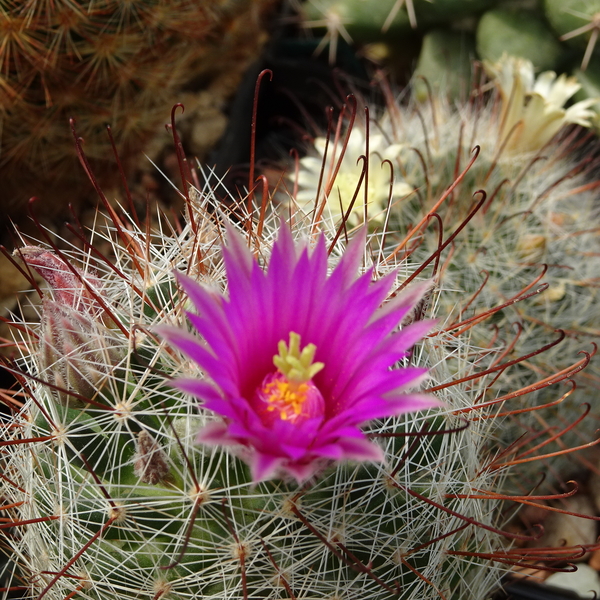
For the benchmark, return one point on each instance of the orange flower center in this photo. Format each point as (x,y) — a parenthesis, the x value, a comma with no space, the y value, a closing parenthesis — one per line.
(281,399)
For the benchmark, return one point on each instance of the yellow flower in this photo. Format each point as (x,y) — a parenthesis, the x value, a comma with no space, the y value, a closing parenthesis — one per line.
(533,109)
(338,190)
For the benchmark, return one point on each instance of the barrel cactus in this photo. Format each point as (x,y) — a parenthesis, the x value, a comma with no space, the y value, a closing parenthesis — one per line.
(267,450)
(534,226)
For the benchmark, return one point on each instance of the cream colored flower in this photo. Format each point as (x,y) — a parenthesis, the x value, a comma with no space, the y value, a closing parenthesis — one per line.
(338,190)
(533,109)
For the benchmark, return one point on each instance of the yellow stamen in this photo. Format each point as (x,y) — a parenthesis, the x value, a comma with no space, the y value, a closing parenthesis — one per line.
(297,366)
(283,395)
(289,394)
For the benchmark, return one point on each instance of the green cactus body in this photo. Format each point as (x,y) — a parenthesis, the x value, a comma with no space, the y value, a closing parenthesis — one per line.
(532,230)
(519,32)
(590,88)
(373,21)
(573,16)
(119,501)
(445,63)
(110,495)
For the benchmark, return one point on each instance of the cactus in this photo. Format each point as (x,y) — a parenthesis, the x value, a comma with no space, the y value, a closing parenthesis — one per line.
(533,226)
(109,62)
(519,32)
(443,31)
(109,495)
(445,63)
(369,22)
(577,23)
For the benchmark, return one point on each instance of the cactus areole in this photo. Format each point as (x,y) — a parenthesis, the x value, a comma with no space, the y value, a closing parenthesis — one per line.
(299,359)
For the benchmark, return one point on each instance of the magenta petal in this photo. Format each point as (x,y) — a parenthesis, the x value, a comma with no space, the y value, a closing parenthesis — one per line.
(240,431)
(406,299)
(412,403)
(369,411)
(264,466)
(237,254)
(365,385)
(215,434)
(215,339)
(198,388)
(379,410)
(376,384)
(332,451)
(302,471)
(345,272)
(208,305)
(283,256)
(294,452)
(397,345)
(405,339)
(189,345)
(361,449)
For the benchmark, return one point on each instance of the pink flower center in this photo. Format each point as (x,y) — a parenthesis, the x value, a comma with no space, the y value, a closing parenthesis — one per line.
(281,399)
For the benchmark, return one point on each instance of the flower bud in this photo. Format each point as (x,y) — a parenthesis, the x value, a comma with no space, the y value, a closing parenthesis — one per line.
(150,461)
(76,352)
(66,282)
(76,349)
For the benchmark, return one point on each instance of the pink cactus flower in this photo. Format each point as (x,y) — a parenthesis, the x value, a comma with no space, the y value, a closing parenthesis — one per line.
(296,360)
